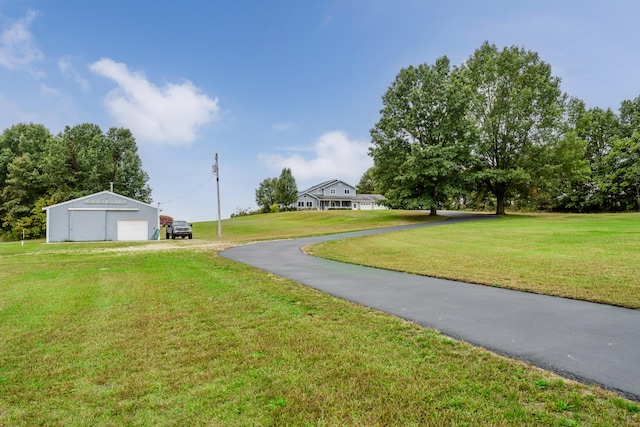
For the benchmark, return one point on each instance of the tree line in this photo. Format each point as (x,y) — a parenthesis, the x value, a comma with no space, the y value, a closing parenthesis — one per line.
(38,170)
(497,132)
(276,194)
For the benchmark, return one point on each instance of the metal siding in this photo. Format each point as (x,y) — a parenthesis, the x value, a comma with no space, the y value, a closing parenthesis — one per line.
(58,224)
(100,210)
(87,226)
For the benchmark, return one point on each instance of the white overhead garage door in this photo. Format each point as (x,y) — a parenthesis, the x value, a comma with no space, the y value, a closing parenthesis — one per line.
(133,229)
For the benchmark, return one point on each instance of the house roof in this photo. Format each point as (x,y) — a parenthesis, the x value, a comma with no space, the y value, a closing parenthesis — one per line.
(369,197)
(106,193)
(313,192)
(356,198)
(323,185)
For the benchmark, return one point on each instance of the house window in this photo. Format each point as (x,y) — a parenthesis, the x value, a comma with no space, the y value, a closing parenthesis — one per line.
(346,191)
(333,191)
(300,204)
(309,204)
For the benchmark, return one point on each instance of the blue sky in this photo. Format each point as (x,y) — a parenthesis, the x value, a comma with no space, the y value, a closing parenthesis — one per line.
(275,83)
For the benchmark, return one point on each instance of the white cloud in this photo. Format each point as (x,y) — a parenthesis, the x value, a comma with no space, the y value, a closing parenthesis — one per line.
(47,90)
(283,126)
(17,46)
(68,70)
(335,156)
(171,114)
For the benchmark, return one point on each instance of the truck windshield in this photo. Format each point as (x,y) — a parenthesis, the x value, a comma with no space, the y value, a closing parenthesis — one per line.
(180,223)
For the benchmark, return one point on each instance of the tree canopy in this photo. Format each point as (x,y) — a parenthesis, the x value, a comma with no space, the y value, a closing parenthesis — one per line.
(39,170)
(286,191)
(498,131)
(266,194)
(516,108)
(421,142)
(367,184)
(281,191)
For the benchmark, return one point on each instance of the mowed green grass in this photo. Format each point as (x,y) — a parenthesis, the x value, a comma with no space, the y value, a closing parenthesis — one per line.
(185,337)
(587,257)
(283,225)
(286,225)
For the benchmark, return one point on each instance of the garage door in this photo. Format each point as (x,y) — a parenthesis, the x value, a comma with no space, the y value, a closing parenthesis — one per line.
(133,229)
(87,226)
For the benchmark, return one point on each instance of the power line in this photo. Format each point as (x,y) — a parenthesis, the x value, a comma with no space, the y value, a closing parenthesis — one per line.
(186,194)
(284,23)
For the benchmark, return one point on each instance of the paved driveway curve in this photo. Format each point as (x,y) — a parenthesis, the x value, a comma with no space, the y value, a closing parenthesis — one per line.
(593,343)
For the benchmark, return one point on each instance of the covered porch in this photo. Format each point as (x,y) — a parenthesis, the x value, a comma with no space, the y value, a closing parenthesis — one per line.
(335,204)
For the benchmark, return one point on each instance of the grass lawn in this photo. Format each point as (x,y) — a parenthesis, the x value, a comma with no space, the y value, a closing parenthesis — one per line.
(286,225)
(588,257)
(116,334)
(184,337)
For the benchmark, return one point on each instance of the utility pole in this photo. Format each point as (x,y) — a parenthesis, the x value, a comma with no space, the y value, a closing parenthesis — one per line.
(216,170)
(159,210)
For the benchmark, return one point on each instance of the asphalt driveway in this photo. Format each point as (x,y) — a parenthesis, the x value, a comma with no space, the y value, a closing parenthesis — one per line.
(593,343)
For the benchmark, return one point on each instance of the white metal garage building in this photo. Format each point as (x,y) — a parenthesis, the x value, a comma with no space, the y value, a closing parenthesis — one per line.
(101,216)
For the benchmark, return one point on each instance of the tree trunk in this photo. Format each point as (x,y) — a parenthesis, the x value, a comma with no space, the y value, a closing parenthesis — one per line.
(500,203)
(74,161)
(434,204)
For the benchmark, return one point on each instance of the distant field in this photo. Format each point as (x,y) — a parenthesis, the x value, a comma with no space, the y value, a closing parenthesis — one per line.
(305,223)
(181,336)
(282,225)
(589,257)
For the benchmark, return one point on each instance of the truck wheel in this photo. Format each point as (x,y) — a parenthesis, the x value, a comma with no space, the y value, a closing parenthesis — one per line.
(190,236)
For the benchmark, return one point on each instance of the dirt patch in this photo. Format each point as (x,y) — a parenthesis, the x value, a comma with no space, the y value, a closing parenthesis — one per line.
(163,246)
(156,247)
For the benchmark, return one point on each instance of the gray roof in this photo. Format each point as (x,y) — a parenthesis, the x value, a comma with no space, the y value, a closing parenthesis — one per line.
(369,197)
(313,192)
(323,185)
(106,193)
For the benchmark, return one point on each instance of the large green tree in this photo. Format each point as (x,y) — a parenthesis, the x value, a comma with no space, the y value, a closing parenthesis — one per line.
(84,160)
(38,170)
(629,117)
(23,179)
(367,184)
(625,155)
(420,144)
(598,129)
(624,172)
(517,106)
(265,194)
(564,170)
(286,191)
(125,166)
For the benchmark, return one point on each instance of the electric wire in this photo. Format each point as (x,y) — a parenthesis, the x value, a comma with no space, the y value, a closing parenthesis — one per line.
(187,193)
(284,23)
